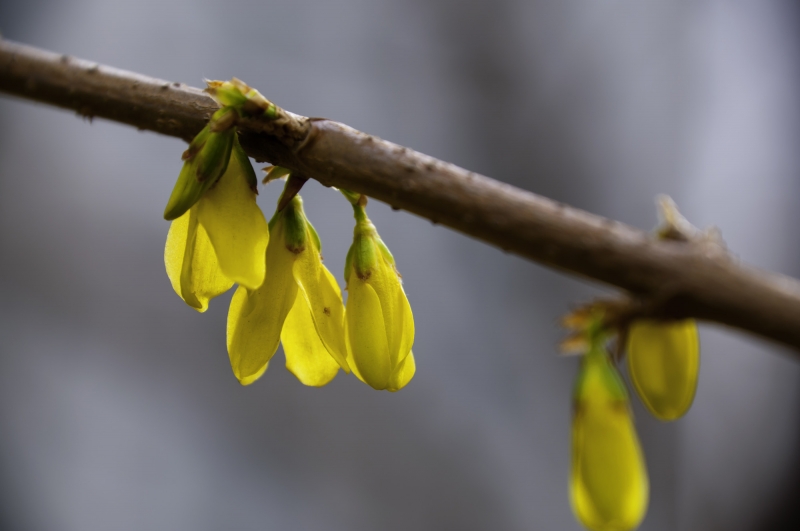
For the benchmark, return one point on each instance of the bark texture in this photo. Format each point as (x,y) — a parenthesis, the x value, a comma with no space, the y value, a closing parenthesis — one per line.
(694,278)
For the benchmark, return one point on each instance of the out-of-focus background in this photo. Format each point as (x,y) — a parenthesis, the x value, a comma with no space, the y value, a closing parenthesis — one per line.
(118,409)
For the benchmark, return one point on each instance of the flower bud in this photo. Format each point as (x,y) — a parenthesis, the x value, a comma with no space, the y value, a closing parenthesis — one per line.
(664,362)
(379,325)
(608,484)
(245,99)
(205,161)
(221,240)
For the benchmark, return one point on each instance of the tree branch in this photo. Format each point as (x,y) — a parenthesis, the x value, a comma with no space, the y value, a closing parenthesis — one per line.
(692,278)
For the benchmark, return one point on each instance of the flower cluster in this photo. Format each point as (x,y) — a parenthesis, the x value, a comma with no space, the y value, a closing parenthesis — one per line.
(609,488)
(219,237)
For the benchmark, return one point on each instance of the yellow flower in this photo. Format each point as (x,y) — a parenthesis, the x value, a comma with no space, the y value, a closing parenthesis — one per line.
(220,240)
(608,484)
(299,304)
(664,361)
(379,326)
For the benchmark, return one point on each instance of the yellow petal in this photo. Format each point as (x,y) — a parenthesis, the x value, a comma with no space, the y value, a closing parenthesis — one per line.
(324,298)
(365,334)
(350,362)
(403,333)
(306,355)
(256,317)
(191,263)
(235,224)
(608,484)
(398,319)
(403,374)
(664,361)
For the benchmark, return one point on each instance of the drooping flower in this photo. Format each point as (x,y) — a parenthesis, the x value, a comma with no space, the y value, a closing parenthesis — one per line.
(609,488)
(379,325)
(221,237)
(664,362)
(299,304)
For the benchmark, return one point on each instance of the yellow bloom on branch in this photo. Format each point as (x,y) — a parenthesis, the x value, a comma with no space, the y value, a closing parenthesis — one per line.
(221,238)
(609,488)
(299,304)
(664,362)
(379,325)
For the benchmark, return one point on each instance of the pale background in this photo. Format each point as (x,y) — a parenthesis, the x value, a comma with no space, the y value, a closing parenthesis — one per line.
(118,409)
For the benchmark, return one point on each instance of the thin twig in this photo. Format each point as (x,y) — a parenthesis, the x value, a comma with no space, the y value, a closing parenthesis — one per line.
(688,279)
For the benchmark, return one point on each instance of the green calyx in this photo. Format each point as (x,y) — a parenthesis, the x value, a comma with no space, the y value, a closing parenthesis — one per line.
(295,226)
(367,249)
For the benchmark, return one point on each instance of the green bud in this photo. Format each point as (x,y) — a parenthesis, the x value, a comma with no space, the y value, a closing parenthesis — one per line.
(248,101)
(204,163)
(227,92)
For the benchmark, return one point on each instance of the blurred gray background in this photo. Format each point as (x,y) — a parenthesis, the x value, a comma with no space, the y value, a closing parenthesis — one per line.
(118,408)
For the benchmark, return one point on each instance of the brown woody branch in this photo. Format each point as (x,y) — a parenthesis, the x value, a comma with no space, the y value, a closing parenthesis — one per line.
(695,278)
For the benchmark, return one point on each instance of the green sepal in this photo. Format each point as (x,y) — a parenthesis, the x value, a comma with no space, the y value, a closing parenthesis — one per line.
(294,225)
(365,251)
(364,259)
(348,264)
(387,254)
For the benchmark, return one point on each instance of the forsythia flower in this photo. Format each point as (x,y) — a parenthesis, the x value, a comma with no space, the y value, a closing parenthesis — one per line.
(608,484)
(664,361)
(299,304)
(220,234)
(379,326)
